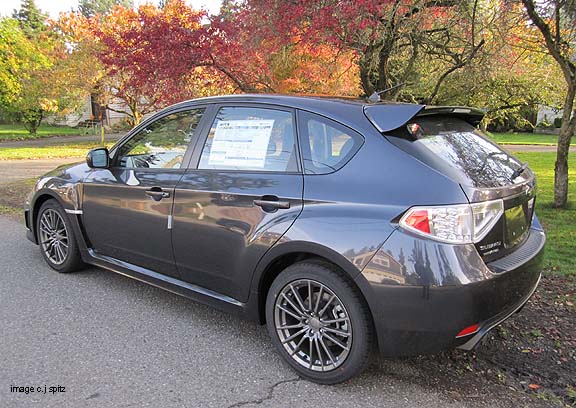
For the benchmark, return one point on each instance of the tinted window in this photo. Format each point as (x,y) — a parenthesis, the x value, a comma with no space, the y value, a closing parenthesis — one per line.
(326,145)
(161,144)
(458,150)
(253,139)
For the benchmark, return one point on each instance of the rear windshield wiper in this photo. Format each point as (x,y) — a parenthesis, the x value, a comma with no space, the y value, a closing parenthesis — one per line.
(518,171)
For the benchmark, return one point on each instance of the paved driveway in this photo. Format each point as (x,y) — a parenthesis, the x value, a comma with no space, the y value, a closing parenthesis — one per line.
(115,342)
(534,148)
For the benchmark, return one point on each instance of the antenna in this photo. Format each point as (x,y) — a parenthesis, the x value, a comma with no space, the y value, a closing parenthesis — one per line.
(375,97)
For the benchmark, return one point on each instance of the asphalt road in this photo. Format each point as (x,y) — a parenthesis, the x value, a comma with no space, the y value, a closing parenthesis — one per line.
(112,341)
(534,148)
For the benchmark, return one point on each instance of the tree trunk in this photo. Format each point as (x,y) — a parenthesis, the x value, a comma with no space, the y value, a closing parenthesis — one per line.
(32,120)
(383,63)
(137,117)
(365,74)
(33,128)
(555,44)
(566,133)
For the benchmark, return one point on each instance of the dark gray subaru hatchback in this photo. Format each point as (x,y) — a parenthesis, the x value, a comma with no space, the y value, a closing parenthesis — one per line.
(342,225)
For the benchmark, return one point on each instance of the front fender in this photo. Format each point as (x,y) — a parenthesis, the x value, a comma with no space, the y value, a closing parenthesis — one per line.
(63,184)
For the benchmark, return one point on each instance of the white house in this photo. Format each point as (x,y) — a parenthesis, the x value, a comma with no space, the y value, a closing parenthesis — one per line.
(91,110)
(548,114)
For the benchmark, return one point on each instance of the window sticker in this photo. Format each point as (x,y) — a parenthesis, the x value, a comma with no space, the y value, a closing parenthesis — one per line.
(241,143)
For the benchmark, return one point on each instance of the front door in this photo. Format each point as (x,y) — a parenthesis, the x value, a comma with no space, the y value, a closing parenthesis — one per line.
(243,196)
(127,208)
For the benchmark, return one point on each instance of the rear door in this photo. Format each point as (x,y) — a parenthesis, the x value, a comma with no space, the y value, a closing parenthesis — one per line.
(241,194)
(127,207)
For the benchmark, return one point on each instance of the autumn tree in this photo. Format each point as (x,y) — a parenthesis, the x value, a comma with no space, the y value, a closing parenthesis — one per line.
(25,76)
(18,57)
(150,55)
(40,73)
(556,22)
(508,79)
(389,39)
(80,67)
(256,59)
(322,69)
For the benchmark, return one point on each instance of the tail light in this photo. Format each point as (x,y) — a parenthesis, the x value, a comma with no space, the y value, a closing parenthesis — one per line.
(454,224)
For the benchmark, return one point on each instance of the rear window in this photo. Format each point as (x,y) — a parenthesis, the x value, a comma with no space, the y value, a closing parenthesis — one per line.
(459,150)
(326,145)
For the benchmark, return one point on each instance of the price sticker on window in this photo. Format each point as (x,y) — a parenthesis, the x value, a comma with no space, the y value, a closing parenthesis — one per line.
(241,143)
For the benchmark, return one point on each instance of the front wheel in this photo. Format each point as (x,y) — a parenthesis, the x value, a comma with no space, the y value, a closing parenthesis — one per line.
(56,238)
(319,322)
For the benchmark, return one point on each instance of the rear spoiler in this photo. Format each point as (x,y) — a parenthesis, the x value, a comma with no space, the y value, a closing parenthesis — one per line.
(388,117)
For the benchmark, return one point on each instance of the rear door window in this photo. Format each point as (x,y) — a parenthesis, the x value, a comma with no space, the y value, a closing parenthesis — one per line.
(251,139)
(326,145)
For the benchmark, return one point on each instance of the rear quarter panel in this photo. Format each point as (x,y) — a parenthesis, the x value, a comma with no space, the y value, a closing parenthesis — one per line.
(351,212)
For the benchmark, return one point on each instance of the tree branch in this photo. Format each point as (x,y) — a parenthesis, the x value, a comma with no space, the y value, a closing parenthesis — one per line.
(118,111)
(458,65)
(568,68)
(427,4)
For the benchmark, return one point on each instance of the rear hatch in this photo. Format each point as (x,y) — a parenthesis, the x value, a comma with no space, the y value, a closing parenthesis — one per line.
(448,142)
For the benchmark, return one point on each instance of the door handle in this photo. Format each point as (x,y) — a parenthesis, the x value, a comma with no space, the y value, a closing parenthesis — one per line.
(272,203)
(157,194)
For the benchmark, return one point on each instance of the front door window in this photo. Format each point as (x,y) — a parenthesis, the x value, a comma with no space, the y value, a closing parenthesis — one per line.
(162,144)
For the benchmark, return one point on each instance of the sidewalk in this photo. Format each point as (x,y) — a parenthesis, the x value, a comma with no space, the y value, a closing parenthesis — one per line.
(533,148)
(57,140)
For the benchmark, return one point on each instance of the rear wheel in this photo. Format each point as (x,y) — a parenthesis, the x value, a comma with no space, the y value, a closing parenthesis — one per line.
(56,238)
(319,322)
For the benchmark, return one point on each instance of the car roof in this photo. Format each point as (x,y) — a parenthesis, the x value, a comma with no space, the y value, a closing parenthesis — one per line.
(385,115)
(300,101)
(348,111)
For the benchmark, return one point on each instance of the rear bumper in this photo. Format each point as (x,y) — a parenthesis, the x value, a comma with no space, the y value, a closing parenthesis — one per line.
(423,293)
(496,320)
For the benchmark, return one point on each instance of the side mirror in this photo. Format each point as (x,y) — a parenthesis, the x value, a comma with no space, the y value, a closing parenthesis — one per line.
(98,158)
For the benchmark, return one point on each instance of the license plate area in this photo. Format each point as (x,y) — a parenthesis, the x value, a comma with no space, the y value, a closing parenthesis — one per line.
(517,220)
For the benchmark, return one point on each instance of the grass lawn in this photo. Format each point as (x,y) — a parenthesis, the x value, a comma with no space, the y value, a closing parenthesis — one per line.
(18,132)
(527,139)
(48,152)
(560,225)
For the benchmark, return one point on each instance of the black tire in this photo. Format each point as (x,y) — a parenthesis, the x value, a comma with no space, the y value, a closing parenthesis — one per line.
(62,259)
(348,301)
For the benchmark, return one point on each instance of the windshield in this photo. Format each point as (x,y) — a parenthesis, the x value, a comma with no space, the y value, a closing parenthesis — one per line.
(460,151)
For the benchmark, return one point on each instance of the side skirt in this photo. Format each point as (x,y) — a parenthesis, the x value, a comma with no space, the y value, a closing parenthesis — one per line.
(188,290)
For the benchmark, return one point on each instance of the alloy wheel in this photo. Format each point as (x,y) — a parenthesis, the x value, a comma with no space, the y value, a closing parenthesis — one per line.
(53,236)
(313,325)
